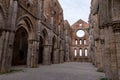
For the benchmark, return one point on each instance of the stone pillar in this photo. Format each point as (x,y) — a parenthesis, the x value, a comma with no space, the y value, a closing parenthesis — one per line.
(99,55)
(2,37)
(36,52)
(118,52)
(113,56)
(71,54)
(46,54)
(116,68)
(61,56)
(107,53)
(32,58)
(4,52)
(56,56)
(102,43)
(8,38)
(10,50)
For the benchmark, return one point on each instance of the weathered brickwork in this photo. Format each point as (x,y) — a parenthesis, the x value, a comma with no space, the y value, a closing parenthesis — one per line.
(105,37)
(80,44)
(32,32)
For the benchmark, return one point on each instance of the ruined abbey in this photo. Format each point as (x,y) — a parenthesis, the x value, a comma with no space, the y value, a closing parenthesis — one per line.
(34,32)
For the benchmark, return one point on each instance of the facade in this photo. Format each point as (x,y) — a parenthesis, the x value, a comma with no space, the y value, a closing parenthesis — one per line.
(32,32)
(105,37)
(80,42)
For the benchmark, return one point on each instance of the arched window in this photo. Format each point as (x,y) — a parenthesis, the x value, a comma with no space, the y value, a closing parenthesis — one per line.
(80,52)
(75,52)
(85,42)
(80,42)
(76,42)
(86,52)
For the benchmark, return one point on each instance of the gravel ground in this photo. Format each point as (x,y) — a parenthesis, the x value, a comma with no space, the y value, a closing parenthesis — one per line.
(65,71)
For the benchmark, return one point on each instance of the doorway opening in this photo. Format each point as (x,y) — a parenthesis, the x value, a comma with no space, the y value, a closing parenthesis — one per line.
(20,47)
(41,50)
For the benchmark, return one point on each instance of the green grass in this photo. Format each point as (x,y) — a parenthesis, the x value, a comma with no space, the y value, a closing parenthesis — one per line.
(11,71)
(103,79)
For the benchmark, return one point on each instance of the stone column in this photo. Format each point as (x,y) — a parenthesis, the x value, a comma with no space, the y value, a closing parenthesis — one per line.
(61,56)
(4,52)
(116,59)
(107,53)
(46,54)
(32,58)
(99,55)
(36,52)
(112,62)
(56,55)
(8,38)
(71,54)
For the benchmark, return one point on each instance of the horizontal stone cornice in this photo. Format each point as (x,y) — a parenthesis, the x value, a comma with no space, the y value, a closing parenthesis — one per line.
(114,24)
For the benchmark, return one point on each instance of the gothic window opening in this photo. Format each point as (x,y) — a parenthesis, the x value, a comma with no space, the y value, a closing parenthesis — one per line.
(76,42)
(80,42)
(86,52)
(75,52)
(85,42)
(80,52)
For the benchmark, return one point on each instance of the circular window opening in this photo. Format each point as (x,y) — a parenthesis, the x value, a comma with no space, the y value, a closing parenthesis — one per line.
(80,33)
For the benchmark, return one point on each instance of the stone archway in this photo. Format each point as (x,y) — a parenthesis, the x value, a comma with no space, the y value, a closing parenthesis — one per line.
(41,49)
(24,43)
(46,46)
(20,47)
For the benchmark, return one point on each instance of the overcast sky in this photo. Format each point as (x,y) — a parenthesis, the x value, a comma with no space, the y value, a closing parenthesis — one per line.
(75,9)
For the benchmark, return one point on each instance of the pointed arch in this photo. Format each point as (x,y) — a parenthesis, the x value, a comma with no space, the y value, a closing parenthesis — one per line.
(23,33)
(25,21)
(44,34)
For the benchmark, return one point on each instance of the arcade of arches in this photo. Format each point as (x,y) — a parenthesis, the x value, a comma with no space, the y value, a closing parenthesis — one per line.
(34,32)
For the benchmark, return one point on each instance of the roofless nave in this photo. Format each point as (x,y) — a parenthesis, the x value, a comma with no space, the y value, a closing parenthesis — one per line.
(35,32)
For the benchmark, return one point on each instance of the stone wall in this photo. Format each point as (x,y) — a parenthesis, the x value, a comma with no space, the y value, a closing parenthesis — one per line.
(107,41)
(79,46)
(32,33)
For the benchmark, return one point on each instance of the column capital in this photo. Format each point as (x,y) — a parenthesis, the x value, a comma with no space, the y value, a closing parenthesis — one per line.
(116,27)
